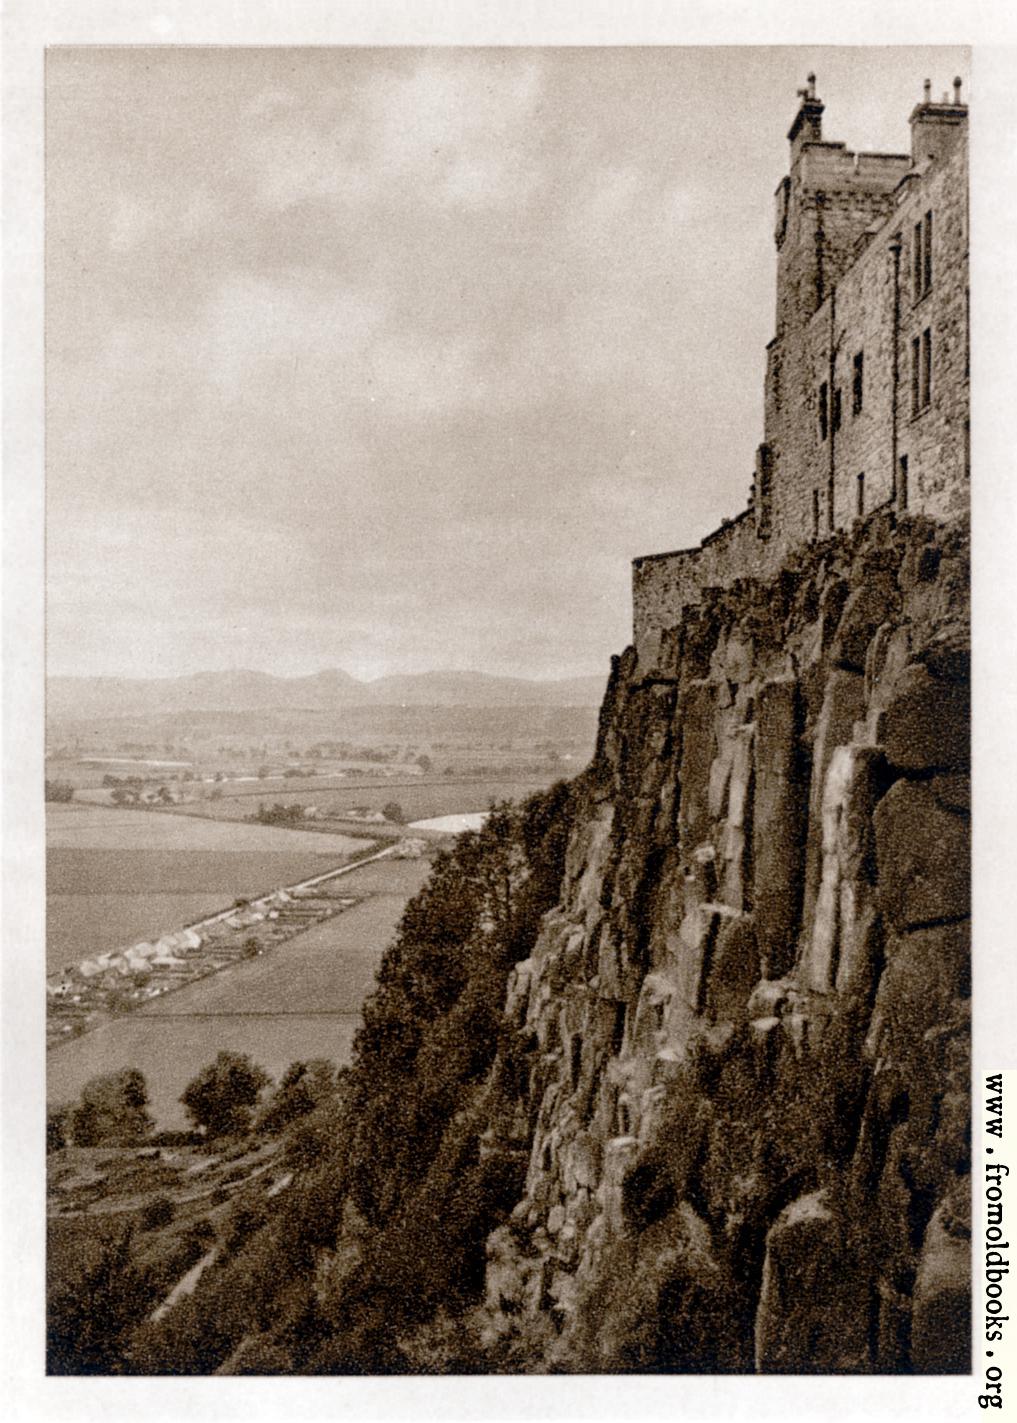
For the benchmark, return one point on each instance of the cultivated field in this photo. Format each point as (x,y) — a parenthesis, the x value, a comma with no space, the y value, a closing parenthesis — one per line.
(97,828)
(301,1000)
(114,877)
(419,799)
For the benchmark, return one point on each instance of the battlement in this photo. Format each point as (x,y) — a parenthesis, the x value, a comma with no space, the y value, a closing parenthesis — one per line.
(834,166)
(866,400)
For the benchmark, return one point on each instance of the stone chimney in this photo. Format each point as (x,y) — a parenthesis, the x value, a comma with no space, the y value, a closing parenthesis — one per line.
(935,127)
(808,122)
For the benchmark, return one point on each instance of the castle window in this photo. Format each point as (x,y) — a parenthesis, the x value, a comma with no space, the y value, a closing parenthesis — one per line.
(921,257)
(902,484)
(836,410)
(857,384)
(926,382)
(861,495)
(815,513)
(921,371)
(824,411)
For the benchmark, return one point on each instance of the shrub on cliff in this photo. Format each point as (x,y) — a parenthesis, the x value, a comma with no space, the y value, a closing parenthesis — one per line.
(387,1218)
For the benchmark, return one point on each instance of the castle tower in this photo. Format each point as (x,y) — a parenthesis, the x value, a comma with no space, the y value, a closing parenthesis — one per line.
(824,205)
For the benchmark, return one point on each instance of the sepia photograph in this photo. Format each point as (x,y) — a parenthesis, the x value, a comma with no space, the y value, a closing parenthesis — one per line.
(508,736)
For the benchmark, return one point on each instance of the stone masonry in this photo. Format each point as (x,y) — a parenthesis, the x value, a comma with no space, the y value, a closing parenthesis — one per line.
(867,379)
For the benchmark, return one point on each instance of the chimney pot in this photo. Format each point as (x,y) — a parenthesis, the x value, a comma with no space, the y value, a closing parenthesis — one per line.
(927,87)
(957,90)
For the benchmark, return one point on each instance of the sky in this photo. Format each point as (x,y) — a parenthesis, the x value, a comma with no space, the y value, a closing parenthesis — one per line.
(393,359)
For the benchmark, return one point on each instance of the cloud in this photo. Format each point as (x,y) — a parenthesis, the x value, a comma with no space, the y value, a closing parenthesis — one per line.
(446,129)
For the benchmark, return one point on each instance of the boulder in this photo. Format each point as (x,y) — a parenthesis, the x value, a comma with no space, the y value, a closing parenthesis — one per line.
(735,968)
(812,1315)
(843,705)
(778,824)
(696,714)
(924,858)
(941,1314)
(926,723)
(867,607)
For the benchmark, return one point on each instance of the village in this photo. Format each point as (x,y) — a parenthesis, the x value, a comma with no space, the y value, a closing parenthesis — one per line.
(82,996)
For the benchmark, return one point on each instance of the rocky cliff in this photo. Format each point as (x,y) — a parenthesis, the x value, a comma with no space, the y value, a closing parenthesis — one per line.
(737,1057)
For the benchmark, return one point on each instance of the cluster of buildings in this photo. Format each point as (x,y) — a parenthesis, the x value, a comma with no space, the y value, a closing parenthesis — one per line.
(866,399)
(80,996)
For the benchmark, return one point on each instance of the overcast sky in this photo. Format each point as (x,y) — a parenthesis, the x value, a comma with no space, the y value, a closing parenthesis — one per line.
(393,360)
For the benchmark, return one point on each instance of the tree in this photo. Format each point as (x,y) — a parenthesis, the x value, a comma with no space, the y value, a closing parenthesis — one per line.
(221,1097)
(112,1110)
(304,1086)
(424,762)
(59,791)
(393,811)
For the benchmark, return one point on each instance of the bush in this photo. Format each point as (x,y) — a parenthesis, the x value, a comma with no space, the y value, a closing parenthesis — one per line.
(157,1213)
(220,1099)
(112,1110)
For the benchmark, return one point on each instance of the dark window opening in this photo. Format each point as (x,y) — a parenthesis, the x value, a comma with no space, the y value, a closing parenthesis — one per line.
(815,513)
(857,384)
(861,495)
(926,383)
(967,449)
(824,414)
(836,409)
(921,371)
(902,483)
(921,257)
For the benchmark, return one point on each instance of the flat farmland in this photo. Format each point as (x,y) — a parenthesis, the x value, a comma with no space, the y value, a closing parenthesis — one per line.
(79,926)
(301,1000)
(114,877)
(94,827)
(419,799)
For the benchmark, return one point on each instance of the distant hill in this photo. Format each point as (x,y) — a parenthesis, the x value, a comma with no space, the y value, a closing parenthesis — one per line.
(84,698)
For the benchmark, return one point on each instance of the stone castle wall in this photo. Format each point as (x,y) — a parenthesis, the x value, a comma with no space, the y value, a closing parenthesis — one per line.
(842,294)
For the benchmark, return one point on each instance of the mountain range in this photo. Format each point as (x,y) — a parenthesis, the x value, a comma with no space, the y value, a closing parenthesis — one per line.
(84,698)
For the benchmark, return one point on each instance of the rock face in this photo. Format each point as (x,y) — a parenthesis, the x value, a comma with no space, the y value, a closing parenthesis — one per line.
(745,1026)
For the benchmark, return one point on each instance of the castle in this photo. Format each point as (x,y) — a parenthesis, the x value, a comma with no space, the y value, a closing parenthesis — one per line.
(867,378)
